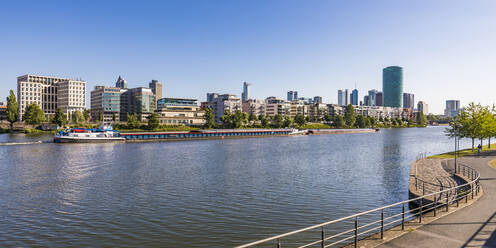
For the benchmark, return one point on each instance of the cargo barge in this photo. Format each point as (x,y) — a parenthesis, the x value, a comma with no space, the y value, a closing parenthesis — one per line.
(209,134)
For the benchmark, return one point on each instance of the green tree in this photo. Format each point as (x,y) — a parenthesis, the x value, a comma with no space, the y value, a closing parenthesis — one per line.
(372,121)
(114,117)
(264,121)
(277,121)
(132,121)
(339,121)
(12,109)
(153,121)
(87,115)
(227,119)
(300,120)
(33,114)
(327,118)
(60,118)
(350,116)
(100,116)
(421,119)
(209,118)
(252,117)
(77,117)
(288,121)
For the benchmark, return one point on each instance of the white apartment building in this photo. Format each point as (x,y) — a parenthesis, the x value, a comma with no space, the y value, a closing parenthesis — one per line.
(44,91)
(254,107)
(71,96)
(221,103)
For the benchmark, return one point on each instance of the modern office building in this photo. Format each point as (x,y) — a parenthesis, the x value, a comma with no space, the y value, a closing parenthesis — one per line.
(292,95)
(221,103)
(156,87)
(423,107)
(317,99)
(452,108)
(121,83)
(71,96)
(343,97)
(372,99)
(246,92)
(180,111)
(408,100)
(51,93)
(140,101)
(354,97)
(106,100)
(378,98)
(392,86)
(366,100)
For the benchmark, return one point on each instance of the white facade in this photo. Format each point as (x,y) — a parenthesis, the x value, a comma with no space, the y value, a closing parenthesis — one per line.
(44,91)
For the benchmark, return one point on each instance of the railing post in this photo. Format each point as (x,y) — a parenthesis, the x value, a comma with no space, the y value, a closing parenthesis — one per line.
(278,244)
(403,217)
(421,208)
(423,188)
(435,204)
(447,202)
(472,189)
(323,238)
(356,231)
(416,183)
(382,224)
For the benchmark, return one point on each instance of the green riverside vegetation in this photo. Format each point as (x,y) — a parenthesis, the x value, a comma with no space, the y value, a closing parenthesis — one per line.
(475,122)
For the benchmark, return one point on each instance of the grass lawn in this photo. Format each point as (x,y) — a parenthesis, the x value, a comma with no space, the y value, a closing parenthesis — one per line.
(463,153)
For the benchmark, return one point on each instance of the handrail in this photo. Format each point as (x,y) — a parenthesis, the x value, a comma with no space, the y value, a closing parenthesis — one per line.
(469,172)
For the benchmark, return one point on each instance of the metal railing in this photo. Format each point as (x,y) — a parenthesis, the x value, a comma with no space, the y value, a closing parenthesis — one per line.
(380,219)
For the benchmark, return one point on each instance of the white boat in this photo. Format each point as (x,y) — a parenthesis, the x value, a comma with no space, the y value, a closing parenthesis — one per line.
(295,131)
(83,135)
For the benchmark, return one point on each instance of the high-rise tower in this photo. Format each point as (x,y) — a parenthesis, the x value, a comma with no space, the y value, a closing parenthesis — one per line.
(392,86)
(246,92)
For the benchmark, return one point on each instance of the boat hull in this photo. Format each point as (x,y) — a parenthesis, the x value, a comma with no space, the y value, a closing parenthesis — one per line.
(88,140)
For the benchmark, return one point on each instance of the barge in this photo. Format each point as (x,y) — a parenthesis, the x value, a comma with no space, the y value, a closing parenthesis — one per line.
(209,134)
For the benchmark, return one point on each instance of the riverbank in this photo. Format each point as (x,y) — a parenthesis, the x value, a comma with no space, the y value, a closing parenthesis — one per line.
(472,226)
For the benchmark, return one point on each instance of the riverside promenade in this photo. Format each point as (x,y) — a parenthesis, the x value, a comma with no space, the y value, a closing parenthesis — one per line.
(471,226)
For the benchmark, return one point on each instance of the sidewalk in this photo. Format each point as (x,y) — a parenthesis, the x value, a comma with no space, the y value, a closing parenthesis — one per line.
(472,226)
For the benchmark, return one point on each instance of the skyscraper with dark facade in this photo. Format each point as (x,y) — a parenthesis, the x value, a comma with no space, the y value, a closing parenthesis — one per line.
(354,97)
(408,100)
(392,86)
(292,95)
(378,99)
(121,83)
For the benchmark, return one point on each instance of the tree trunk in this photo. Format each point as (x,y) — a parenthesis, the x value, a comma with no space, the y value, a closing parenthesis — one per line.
(472,144)
(489,143)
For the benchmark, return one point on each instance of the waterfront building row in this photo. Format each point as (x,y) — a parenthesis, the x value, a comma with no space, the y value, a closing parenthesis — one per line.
(51,93)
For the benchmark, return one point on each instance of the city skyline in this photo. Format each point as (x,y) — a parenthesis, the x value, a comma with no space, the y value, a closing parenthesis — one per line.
(323,47)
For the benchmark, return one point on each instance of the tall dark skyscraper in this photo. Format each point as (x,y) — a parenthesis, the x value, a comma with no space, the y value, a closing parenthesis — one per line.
(246,92)
(408,100)
(354,97)
(392,86)
(292,95)
(378,99)
(121,83)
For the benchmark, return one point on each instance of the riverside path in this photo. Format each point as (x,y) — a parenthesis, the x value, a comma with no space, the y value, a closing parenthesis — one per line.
(472,226)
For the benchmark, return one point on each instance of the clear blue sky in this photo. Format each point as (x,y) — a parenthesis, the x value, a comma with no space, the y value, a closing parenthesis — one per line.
(447,48)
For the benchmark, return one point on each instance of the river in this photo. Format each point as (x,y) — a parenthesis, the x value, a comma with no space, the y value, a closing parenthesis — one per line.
(210,193)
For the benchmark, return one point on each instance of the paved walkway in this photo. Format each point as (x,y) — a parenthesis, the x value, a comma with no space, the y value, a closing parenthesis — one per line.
(472,226)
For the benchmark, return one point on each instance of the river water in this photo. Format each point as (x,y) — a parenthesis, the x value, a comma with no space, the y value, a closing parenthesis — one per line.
(213,193)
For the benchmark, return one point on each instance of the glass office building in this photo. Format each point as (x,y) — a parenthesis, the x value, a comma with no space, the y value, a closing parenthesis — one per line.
(392,86)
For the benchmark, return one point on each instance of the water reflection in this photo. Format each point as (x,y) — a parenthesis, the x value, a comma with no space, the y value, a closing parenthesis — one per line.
(215,193)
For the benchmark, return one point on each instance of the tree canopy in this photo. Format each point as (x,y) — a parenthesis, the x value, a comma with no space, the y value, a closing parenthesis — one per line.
(12,109)
(33,114)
